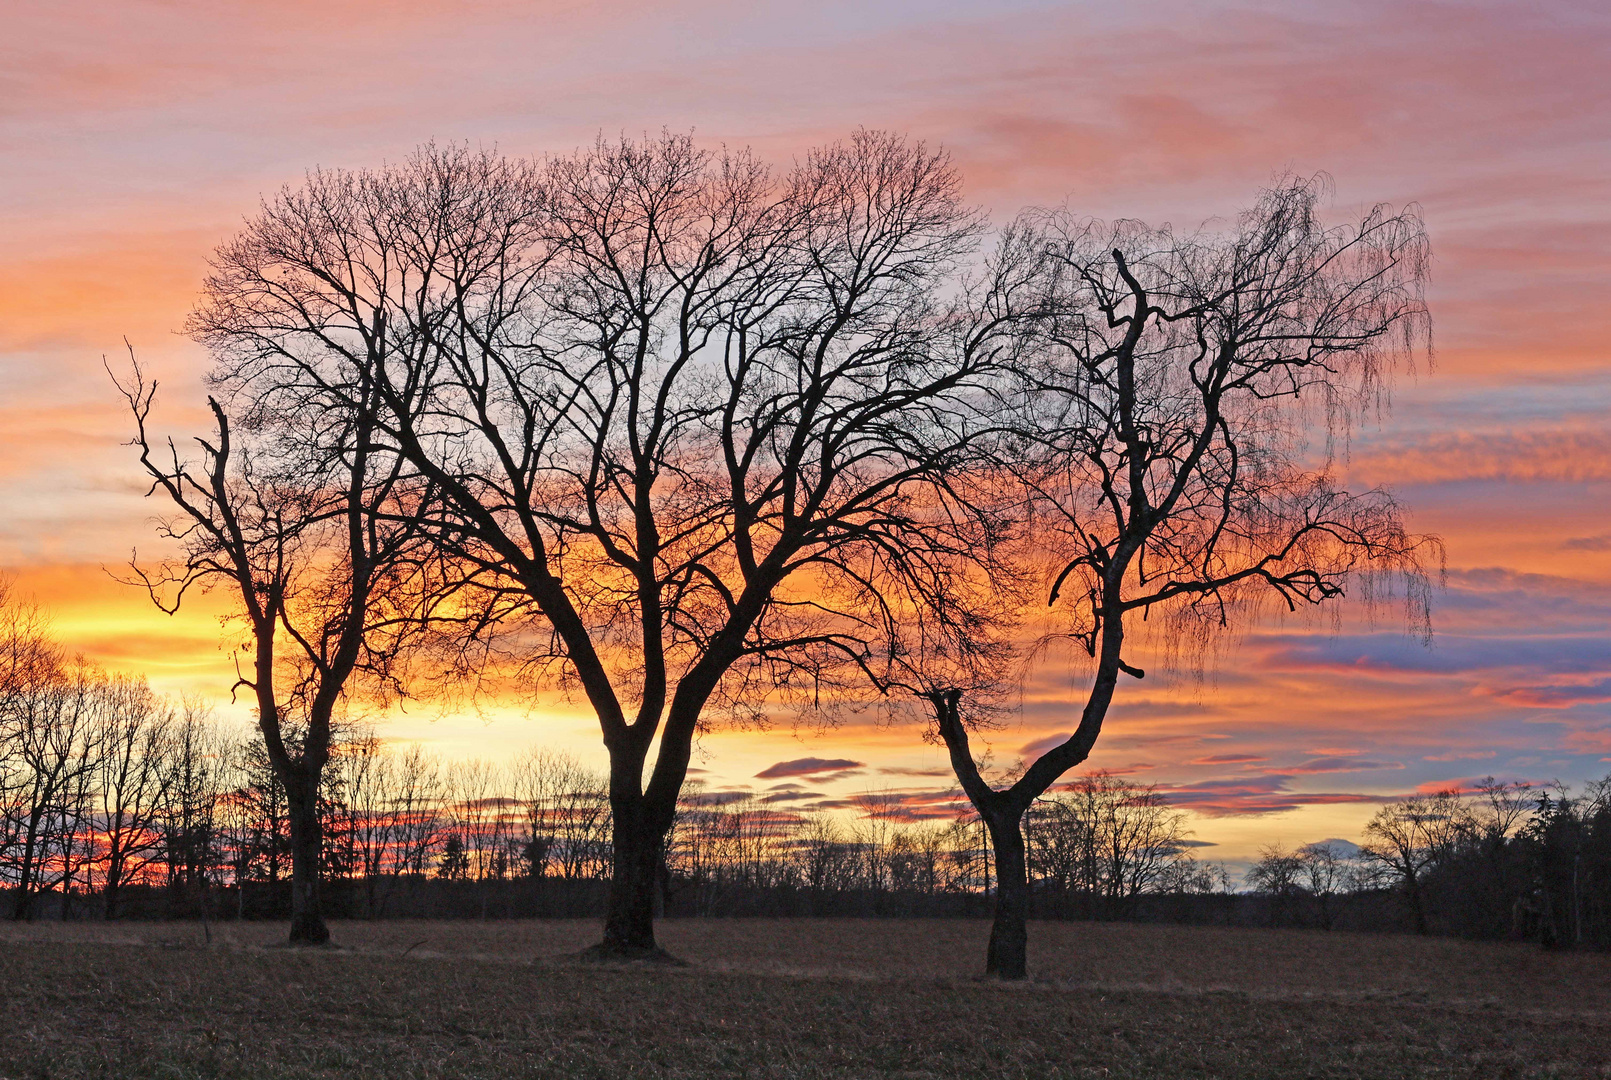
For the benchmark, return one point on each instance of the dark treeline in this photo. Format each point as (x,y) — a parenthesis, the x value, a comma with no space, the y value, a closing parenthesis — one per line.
(118,802)
(1504,860)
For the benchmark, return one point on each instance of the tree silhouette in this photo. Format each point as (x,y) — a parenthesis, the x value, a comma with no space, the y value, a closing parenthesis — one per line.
(691,420)
(310,529)
(1165,450)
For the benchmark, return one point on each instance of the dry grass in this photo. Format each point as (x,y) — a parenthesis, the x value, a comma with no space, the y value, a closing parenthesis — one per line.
(789,999)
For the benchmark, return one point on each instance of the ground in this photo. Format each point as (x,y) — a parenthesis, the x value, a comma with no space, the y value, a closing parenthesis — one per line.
(788,999)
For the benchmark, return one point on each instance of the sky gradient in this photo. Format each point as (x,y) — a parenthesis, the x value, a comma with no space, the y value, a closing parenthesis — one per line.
(137,136)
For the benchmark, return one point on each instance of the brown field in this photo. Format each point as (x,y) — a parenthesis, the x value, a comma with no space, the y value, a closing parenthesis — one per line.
(789,999)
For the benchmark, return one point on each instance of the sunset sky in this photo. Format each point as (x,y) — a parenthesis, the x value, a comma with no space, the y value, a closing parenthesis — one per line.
(136,136)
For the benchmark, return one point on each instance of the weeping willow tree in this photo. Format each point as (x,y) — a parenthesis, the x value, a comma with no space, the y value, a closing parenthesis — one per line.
(1173,445)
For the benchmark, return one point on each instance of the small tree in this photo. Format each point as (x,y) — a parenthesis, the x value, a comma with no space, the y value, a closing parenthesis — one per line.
(1165,449)
(131,781)
(53,715)
(1278,875)
(1327,872)
(1406,840)
(188,817)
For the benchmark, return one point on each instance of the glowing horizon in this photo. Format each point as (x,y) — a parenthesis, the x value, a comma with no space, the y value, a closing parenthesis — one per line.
(138,138)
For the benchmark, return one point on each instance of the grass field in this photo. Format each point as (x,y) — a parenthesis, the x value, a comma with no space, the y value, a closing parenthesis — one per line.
(789,999)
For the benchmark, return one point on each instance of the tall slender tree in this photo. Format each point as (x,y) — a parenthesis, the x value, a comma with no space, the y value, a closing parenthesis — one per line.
(309,528)
(53,714)
(131,779)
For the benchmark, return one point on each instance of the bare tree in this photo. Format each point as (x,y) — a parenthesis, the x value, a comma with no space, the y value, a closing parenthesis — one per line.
(373,829)
(254,811)
(481,816)
(54,718)
(1278,872)
(1279,876)
(131,781)
(415,802)
(827,857)
(567,809)
(240,828)
(1407,839)
(308,527)
(1166,448)
(72,820)
(1502,809)
(1327,871)
(30,661)
(197,765)
(1105,837)
(689,418)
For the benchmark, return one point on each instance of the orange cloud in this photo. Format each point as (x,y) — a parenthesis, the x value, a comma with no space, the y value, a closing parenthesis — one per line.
(1513,457)
(139,134)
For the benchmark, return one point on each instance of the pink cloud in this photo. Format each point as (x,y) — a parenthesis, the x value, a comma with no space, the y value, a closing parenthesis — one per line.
(1563,695)
(1253,797)
(808,766)
(1039,746)
(1593,741)
(1228,759)
(1316,766)
(1513,457)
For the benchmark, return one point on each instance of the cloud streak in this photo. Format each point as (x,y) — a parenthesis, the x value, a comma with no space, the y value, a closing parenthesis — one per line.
(808,766)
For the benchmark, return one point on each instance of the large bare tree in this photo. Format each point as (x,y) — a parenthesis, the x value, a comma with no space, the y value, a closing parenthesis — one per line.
(1168,450)
(691,418)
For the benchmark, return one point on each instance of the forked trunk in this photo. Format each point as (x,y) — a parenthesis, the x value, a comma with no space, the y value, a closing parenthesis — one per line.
(1008,954)
(307,914)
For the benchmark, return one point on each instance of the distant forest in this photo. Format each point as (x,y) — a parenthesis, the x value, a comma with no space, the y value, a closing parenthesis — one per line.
(118,803)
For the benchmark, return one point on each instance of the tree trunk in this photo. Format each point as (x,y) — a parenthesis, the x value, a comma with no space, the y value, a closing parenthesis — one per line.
(629,923)
(113,888)
(1417,908)
(307,915)
(1008,955)
(23,911)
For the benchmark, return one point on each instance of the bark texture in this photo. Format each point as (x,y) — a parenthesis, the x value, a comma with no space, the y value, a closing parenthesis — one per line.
(307,911)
